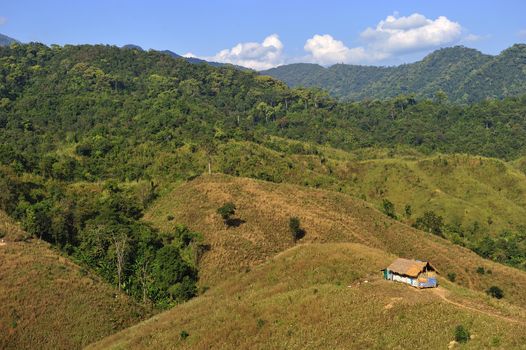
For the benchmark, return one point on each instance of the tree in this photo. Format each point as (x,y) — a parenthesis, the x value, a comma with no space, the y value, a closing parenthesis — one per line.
(295,228)
(120,242)
(430,222)
(226,211)
(461,334)
(495,292)
(388,208)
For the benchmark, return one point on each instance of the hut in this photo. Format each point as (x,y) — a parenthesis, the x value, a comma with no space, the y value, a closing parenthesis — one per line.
(419,274)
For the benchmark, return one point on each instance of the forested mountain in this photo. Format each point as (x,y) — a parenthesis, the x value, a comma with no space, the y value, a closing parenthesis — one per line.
(5,40)
(464,75)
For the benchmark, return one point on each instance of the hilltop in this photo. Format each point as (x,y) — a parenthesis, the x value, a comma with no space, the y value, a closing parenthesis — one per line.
(48,300)
(326,216)
(465,75)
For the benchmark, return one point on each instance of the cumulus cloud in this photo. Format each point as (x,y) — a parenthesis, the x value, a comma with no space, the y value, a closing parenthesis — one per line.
(259,56)
(391,36)
(411,33)
(326,50)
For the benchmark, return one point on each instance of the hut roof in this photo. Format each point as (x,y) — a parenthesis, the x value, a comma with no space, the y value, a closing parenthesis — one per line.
(408,267)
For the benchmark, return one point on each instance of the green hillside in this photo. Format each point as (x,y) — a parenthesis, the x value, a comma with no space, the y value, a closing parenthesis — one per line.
(465,75)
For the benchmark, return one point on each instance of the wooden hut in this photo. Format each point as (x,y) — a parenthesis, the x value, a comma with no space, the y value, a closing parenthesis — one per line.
(419,274)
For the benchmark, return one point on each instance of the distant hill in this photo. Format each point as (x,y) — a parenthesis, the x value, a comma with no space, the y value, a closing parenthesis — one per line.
(193,60)
(464,74)
(6,41)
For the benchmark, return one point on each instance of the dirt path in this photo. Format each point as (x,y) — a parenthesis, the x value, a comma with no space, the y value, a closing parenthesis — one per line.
(442,293)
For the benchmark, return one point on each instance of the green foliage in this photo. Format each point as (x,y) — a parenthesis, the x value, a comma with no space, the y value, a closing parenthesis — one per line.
(461,334)
(408,211)
(295,228)
(459,74)
(226,211)
(452,276)
(388,208)
(495,292)
(480,270)
(430,222)
(184,334)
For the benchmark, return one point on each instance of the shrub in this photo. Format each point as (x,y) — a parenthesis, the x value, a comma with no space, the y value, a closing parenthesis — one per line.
(184,335)
(480,270)
(295,228)
(461,334)
(495,292)
(227,211)
(388,208)
(452,276)
(170,217)
(260,323)
(408,211)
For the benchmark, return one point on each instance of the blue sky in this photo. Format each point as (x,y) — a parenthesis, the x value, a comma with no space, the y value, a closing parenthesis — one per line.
(265,33)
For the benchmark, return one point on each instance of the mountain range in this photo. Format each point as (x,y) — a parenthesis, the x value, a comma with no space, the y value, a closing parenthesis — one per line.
(465,75)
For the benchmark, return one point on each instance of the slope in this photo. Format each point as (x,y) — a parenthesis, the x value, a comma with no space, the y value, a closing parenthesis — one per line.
(48,302)
(468,191)
(326,296)
(264,210)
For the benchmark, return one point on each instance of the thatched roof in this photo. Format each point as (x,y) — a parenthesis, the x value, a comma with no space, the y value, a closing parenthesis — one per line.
(411,268)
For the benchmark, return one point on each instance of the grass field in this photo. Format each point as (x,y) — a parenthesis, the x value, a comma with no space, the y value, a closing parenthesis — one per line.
(48,302)
(325,296)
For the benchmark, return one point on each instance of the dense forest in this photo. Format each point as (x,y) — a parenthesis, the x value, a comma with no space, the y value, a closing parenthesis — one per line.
(464,75)
(89,133)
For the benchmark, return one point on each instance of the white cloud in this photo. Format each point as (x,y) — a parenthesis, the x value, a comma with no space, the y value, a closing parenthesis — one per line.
(412,33)
(392,36)
(259,56)
(3,20)
(326,50)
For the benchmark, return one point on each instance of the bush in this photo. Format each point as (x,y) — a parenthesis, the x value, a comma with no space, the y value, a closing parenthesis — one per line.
(184,335)
(388,208)
(495,292)
(295,228)
(452,276)
(227,211)
(480,270)
(461,334)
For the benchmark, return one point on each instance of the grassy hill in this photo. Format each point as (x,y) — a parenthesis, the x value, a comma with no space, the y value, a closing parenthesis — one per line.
(477,195)
(48,302)
(464,74)
(326,296)
(327,217)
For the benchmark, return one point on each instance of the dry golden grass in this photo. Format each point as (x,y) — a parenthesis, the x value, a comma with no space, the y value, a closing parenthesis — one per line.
(301,299)
(326,216)
(48,302)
